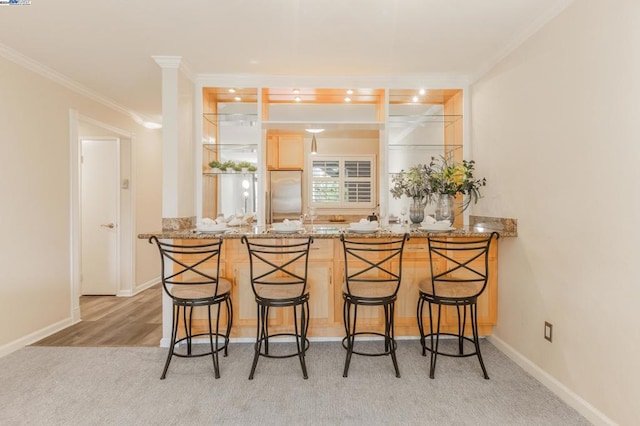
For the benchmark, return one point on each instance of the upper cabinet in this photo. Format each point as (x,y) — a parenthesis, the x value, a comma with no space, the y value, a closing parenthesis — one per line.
(285,152)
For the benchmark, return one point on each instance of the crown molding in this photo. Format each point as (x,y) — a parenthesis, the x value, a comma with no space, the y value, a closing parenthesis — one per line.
(382,81)
(175,62)
(520,38)
(168,61)
(61,79)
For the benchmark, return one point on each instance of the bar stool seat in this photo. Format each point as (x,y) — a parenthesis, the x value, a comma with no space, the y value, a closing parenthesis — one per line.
(373,292)
(203,293)
(450,289)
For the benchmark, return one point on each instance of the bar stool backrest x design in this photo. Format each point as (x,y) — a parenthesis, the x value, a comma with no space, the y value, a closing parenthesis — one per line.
(190,277)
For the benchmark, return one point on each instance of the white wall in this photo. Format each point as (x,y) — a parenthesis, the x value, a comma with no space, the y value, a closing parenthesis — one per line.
(35,192)
(555,132)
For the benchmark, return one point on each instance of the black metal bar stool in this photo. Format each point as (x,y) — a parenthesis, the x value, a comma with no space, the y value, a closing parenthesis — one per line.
(279,280)
(459,275)
(371,280)
(190,277)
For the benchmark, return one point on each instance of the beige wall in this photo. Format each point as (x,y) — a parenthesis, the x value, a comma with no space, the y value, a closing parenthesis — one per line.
(35,193)
(555,129)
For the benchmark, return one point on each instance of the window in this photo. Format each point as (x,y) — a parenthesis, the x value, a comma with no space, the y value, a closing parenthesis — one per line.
(345,181)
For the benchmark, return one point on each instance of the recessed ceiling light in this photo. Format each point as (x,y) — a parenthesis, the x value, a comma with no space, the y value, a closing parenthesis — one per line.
(422,92)
(349,92)
(314,130)
(297,99)
(237,98)
(414,99)
(296,91)
(232,90)
(347,99)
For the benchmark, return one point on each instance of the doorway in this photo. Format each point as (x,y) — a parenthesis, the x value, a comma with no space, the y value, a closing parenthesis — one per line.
(86,128)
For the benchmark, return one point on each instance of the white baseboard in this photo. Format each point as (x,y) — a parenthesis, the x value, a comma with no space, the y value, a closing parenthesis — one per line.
(564,393)
(34,337)
(146,285)
(142,287)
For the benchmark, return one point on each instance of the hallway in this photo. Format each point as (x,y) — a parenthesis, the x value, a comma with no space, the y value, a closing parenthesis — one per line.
(114,321)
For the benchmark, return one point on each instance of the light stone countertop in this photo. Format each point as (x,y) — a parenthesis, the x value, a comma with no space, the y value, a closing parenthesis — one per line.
(478,227)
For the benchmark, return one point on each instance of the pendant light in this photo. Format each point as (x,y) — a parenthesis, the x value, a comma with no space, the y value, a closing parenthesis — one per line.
(314,144)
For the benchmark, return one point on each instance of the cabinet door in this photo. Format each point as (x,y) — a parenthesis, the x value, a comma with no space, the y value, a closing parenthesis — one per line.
(290,155)
(285,152)
(321,301)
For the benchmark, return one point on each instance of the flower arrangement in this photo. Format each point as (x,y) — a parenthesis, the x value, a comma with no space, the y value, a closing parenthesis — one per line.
(440,176)
(414,183)
(451,178)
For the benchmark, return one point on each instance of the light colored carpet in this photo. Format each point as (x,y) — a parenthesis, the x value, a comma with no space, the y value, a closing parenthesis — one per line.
(121,386)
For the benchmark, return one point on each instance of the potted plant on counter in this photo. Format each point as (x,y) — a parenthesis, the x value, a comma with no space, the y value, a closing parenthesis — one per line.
(414,183)
(449,179)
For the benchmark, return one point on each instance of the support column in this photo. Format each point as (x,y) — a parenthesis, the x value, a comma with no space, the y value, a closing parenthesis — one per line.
(178,199)
(178,202)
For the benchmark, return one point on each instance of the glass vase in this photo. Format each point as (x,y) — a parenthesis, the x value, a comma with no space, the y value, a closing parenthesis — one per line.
(416,210)
(444,207)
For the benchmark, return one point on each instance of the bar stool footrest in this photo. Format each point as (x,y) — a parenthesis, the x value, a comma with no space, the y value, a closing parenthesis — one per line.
(223,342)
(427,337)
(296,336)
(370,333)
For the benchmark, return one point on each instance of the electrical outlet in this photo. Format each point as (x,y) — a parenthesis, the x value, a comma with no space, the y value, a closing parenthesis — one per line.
(548,331)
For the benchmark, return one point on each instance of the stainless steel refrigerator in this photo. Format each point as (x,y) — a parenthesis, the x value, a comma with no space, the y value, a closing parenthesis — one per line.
(284,195)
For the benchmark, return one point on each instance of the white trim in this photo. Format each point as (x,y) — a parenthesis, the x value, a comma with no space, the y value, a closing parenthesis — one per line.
(520,38)
(142,287)
(572,399)
(34,337)
(50,74)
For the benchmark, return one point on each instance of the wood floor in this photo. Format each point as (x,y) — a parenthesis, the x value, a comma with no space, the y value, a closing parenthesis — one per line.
(114,321)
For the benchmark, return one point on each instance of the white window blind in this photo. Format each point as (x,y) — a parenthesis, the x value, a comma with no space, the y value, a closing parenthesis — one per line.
(343,181)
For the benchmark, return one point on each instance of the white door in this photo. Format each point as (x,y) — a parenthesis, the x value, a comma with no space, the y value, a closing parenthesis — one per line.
(100,175)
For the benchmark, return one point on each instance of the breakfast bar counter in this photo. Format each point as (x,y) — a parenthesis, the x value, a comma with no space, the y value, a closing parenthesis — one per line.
(326,273)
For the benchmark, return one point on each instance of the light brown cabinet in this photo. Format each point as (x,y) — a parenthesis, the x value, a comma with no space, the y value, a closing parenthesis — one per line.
(285,152)
(325,276)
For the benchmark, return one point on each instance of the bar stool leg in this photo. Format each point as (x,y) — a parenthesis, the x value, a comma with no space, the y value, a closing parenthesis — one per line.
(259,336)
(214,351)
(390,335)
(474,327)
(175,318)
(420,311)
(229,322)
(300,337)
(434,351)
(350,333)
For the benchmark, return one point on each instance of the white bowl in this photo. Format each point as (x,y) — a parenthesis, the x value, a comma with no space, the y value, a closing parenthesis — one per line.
(287,226)
(441,224)
(212,227)
(364,226)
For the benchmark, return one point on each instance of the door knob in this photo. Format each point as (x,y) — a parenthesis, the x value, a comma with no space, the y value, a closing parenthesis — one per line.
(108,225)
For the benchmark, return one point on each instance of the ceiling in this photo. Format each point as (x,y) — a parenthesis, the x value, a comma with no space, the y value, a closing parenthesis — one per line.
(107,46)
